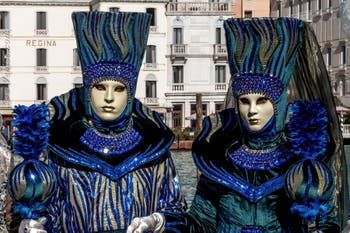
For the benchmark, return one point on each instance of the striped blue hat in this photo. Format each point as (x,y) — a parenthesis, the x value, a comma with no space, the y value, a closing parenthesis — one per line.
(261,55)
(111,46)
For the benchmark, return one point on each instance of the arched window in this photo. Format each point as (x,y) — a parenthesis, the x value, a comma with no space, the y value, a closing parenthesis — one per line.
(151,86)
(78,82)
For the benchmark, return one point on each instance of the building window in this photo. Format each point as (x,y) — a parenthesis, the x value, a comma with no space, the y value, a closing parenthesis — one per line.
(219,107)
(151,54)
(329,3)
(218,36)
(220,74)
(279,9)
(4,20)
(114,9)
(152,11)
(4,91)
(151,89)
(343,55)
(41,90)
(40,57)
(41,20)
(290,8)
(178,36)
(76,59)
(308,9)
(329,57)
(319,5)
(177,115)
(248,14)
(178,73)
(4,61)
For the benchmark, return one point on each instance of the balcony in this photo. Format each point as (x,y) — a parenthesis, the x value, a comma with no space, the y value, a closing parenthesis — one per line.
(178,87)
(220,86)
(198,8)
(41,69)
(40,32)
(150,66)
(151,101)
(4,69)
(4,32)
(329,10)
(153,29)
(76,69)
(220,52)
(306,16)
(5,103)
(178,52)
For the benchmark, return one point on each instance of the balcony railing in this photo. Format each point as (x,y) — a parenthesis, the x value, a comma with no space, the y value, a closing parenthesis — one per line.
(178,87)
(4,32)
(342,67)
(346,130)
(4,68)
(198,7)
(220,86)
(76,69)
(41,32)
(178,49)
(5,103)
(41,69)
(153,29)
(151,101)
(150,66)
(220,50)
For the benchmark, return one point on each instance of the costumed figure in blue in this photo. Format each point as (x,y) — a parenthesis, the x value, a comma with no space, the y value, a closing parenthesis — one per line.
(274,162)
(6,164)
(108,158)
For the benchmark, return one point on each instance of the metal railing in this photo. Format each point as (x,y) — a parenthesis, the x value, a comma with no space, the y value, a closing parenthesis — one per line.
(178,87)
(220,49)
(178,49)
(198,7)
(346,130)
(151,101)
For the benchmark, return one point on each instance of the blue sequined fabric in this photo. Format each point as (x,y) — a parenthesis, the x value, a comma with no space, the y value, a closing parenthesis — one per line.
(257,83)
(260,159)
(111,144)
(252,229)
(119,71)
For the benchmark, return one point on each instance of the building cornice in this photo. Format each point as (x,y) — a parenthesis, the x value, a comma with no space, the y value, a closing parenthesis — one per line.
(45,3)
(140,1)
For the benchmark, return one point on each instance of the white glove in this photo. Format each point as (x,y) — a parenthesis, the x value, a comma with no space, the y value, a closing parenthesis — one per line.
(152,223)
(32,226)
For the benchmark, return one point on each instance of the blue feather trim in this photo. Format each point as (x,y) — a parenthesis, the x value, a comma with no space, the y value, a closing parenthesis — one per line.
(29,211)
(311,210)
(32,130)
(307,128)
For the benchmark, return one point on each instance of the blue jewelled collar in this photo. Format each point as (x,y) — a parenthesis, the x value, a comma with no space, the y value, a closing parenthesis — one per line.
(112,143)
(260,159)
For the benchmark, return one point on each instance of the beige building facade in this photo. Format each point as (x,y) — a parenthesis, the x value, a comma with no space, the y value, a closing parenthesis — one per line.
(325,18)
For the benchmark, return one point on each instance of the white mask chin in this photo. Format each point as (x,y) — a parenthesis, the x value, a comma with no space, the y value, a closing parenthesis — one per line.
(255,110)
(108,99)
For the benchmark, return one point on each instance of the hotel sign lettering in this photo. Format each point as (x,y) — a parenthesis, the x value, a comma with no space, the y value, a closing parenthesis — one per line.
(41,43)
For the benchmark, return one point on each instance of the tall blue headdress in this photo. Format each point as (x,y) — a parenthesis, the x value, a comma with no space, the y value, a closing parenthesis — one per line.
(261,55)
(111,47)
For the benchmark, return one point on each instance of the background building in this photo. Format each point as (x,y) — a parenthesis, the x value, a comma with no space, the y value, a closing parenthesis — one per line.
(324,16)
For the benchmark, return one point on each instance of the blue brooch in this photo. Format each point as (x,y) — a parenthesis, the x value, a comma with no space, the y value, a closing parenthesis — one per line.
(260,159)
